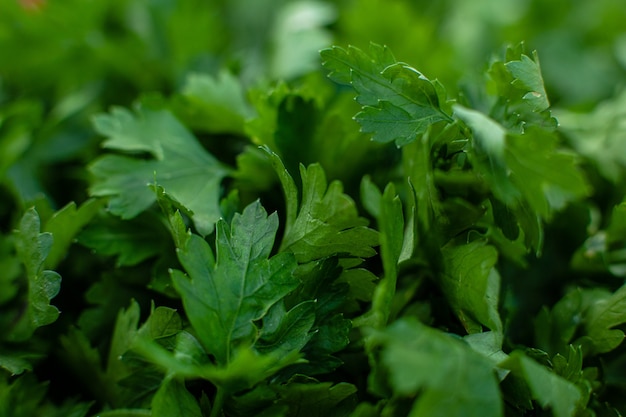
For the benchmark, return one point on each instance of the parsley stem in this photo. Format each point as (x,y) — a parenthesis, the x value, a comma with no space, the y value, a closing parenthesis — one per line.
(218,403)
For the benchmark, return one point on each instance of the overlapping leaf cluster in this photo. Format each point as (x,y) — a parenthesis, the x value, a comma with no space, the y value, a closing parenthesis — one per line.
(261,248)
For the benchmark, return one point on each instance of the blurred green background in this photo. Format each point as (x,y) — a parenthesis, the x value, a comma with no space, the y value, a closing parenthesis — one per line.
(61,61)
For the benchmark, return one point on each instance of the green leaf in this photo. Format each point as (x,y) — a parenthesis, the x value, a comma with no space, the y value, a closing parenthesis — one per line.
(173,400)
(370,196)
(126,412)
(65,224)
(212,104)
(399,103)
(130,241)
(472,284)
(450,378)
(528,171)
(12,269)
(527,76)
(17,120)
(286,331)
(15,363)
(489,344)
(536,163)
(322,281)
(134,380)
(423,238)
(21,396)
(262,128)
(547,388)
(254,172)
(362,71)
(43,285)
(317,399)
(224,297)
(325,222)
(488,144)
(105,298)
(599,135)
(601,318)
(177,161)
(124,333)
(554,328)
(296,45)
(489,135)
(246,368)
(391,224)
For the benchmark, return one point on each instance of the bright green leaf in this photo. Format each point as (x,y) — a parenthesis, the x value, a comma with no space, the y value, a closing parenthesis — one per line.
(178,162)
(213,104)
(296,45)
(399,103)
(527,76)
(362,71)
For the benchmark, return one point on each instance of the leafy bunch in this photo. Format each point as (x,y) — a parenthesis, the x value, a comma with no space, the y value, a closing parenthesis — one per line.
(252,252)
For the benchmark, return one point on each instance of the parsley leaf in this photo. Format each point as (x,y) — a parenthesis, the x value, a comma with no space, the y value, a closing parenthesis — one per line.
(549,389)
(399,102)
(601,318)
(65,224)
(325,222)
(212,104)
(32,248)
(131,241)
(173,400)
(472,284)
(450,377)
(225,295)
(176,160)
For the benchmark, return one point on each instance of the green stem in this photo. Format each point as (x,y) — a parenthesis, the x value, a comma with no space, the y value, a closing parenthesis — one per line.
(218,403)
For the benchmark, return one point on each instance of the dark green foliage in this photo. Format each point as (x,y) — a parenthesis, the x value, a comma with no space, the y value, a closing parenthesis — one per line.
(208,210)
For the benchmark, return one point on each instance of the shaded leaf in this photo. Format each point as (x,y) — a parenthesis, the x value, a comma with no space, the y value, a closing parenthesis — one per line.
(130,241)
(547,388)
(472,284)
(173,400)
(450,377)
(65,224)
(224,296)
(43,285)
(601,319)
